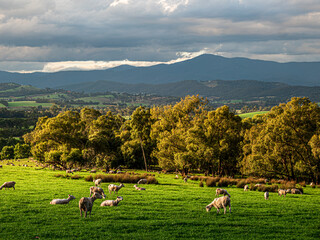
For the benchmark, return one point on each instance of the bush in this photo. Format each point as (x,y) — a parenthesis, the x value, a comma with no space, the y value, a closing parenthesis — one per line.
(123,178)
(272,188)
(201,184)
(241,183)
(212,181)
(224,182)
(303,184)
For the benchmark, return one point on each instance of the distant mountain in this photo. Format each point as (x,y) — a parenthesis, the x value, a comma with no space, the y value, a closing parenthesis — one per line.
(202,68)
(220,89)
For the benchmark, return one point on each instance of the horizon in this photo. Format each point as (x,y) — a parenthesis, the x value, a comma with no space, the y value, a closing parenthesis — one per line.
(55,35)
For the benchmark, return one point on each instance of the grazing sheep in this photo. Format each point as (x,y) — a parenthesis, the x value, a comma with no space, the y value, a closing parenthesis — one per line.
(86,203)
(111,202)
(282,192)
(221,202)
(296,191)
(266,195)
(185,179)
(138,188)
(62,201)
(222,191)
(312,184)
(246,188)
(288,190)
(142,181)
(97,190)
(176,177)
(8,185)
(97,181)
(69,171)
(114,188)
(111,172)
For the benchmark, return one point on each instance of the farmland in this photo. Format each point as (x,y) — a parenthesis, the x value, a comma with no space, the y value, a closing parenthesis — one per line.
(171,209)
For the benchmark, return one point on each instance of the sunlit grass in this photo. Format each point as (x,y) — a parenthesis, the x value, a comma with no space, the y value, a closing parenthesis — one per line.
(170,210)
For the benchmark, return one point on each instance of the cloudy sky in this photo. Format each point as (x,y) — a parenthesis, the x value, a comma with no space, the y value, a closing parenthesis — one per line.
(53,35)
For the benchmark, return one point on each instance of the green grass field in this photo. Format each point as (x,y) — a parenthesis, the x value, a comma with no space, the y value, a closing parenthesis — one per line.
(170,210)
(251,114)
(19,104)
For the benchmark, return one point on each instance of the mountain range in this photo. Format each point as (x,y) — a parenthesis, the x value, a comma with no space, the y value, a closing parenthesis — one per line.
(202,68)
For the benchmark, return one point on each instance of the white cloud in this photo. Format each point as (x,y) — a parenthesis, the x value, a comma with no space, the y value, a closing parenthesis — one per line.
(119,2)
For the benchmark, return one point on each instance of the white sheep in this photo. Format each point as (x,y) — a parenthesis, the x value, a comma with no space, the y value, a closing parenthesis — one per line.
(8,185)
(222,191)
(185,179)
(97,181)
(93,171)
(111,202)
(266,195)
(221,202)
(142,181)
(282,192)
(138,188)
(97,190)
(176,177)
(62,201)
(246,187)
(69,171)
(296,191)
(312,184)
(114,188)
(86,203)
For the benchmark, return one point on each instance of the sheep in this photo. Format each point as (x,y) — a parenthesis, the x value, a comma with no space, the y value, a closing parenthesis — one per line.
(246,188)
(258,185)
(111,202)
(8,185)
(142,181)
(185,179)
(266,195)
(138,188)
(222,191)
(176,177)
(62,201)
(221,202)
(296,191)
(97,181)
(288,190)
(282,192)
(93,171)
(69,171)
(111,172)
(114,188)
(86,203)
(0,166)
(312,185)
(97,190)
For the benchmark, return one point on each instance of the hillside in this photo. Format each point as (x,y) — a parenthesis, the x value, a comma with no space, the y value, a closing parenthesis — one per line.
(202,68)
(236,89)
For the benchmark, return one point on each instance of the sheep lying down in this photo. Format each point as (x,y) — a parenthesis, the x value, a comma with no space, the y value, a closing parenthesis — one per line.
(221,202)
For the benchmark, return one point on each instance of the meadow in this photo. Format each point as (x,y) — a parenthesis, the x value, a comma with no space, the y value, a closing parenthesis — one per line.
(171,209)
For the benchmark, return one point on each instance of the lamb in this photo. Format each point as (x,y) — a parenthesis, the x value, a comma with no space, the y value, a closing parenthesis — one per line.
(97,181)
(86,203)
(246,188)
(266,195)
(222,191)
(139,188)
(114,188)
(97,190)
(221,202)
(62,201)
(8,185)
(111,202)
(296,191)
(282,192)
(142,181)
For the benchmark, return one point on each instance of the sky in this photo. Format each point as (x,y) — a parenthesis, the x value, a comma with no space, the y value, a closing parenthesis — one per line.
(55,35)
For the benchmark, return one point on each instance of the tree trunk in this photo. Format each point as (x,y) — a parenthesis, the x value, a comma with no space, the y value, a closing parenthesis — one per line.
(144,156)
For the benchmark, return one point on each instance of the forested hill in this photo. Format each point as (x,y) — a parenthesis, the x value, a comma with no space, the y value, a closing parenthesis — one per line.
(236,89)
(202,68)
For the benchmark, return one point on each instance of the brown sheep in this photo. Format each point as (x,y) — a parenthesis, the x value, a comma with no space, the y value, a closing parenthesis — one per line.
(221,202)
(8,185)
(114,188)
(86,203)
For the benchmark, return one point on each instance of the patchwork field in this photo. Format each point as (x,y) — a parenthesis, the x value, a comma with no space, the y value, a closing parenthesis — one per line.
(171,209)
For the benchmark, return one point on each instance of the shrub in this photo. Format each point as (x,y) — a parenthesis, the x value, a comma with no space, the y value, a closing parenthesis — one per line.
(212,181)
(287,184)
(201,184)
(76,177)
(223,182)
(241,183)
(303,184)
(88,178)
(264,188)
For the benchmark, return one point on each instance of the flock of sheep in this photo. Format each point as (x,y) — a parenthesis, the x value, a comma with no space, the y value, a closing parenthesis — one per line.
(86,203)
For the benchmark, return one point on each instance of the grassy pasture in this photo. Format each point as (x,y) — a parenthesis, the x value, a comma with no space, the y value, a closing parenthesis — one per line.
(251,114)
(170,210)
(21,104)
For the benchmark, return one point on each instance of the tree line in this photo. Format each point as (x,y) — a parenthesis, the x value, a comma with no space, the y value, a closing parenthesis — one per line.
(186,136)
